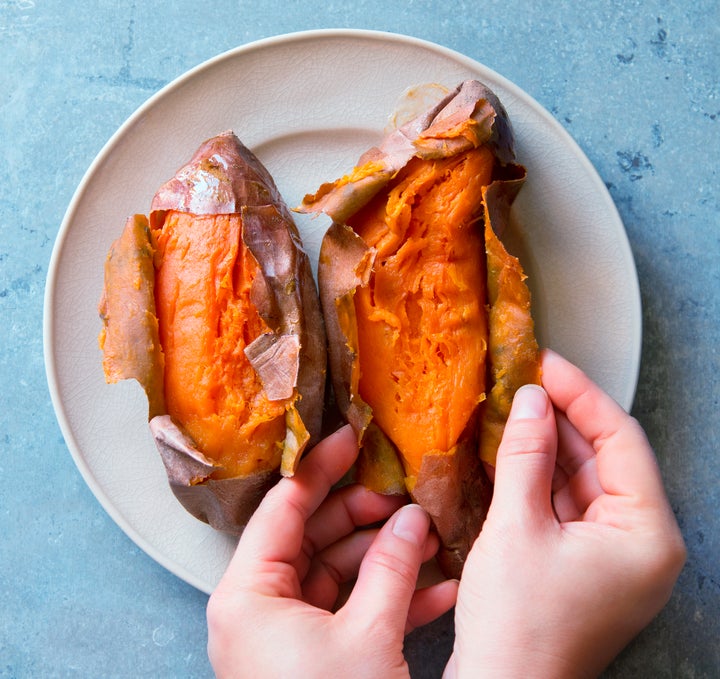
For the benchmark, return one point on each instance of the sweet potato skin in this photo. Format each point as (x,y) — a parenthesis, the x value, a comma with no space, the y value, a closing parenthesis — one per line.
(451,483)
(513,349)
(456,492)
(225,186)
(226,504)
(129,338)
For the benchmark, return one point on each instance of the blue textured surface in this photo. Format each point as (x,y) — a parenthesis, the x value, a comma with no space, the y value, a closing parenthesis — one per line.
(635,83)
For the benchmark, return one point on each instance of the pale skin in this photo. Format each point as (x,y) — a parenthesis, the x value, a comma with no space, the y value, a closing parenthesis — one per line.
(270,614)
(579,552)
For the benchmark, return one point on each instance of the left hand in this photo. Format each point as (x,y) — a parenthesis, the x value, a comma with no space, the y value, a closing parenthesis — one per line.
(272,615)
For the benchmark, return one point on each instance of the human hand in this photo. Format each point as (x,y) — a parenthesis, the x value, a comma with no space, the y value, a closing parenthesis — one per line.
(271,614)
(579,552)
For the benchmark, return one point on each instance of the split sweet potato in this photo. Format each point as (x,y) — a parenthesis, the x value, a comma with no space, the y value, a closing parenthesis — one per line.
(211,305)
(428,316)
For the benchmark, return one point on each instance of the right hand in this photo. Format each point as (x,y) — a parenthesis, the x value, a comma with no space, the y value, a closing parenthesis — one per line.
(580,549)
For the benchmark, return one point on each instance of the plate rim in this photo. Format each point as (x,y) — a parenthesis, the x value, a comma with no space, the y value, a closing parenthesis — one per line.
(49,321)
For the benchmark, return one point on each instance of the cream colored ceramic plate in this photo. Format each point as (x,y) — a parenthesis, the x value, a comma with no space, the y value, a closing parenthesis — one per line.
(309,104)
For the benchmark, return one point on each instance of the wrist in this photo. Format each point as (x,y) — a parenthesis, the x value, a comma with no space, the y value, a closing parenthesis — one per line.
(498,662)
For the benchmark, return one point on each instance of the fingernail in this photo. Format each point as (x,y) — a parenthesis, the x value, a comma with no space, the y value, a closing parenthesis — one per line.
(411,524)
(530,403)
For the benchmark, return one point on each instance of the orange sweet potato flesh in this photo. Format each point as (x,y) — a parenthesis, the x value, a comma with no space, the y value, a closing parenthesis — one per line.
(428,316)
(207,319)
(422,323)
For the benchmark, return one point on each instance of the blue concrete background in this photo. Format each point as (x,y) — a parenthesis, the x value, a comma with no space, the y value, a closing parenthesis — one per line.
(635,83)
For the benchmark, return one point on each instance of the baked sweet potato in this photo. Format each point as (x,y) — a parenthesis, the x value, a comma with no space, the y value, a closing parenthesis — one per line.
(211,305)
(428,316)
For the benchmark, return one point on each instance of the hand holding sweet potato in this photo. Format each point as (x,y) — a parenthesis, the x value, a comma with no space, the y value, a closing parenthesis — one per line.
(580,550)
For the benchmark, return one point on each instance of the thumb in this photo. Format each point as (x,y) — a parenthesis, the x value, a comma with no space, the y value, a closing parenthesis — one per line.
(526,458)
(388,574)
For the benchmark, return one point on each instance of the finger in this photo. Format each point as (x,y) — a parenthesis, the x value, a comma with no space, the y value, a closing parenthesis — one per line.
(334,566)
(323,467)
(340,562)
(343,512)
(573,450)
(276,529)
(575,483)
(559,476)
(526,459)
(430,603)
(572,499)
(388,574)
(626,464)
